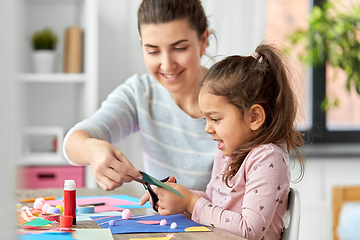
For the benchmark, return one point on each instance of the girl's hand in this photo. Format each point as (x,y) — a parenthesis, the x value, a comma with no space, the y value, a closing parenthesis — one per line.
(170,203)
(145,198)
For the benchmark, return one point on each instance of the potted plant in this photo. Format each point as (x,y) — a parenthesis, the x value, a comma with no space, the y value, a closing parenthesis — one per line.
(44,44)
(333,38)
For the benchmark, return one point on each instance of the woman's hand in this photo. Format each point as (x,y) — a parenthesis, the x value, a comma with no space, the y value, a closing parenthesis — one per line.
(170,203)
(110,167)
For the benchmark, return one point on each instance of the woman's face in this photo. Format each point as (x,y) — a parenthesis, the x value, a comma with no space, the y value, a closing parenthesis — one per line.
(172,54)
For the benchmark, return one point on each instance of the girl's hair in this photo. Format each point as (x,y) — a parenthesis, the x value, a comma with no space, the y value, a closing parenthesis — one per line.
(163,11)
(262,79)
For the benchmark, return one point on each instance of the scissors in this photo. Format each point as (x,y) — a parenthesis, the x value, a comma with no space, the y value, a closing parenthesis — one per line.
(153,195)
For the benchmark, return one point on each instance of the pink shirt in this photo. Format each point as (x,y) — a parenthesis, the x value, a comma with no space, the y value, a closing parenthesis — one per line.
(255,207)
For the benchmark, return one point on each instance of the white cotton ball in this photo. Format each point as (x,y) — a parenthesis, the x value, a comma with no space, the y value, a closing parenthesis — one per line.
(173,225)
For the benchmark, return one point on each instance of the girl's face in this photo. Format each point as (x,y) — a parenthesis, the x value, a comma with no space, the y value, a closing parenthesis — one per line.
(172,54)
(224,122)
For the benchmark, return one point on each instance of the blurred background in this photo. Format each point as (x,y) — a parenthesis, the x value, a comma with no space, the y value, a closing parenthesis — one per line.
(38,108)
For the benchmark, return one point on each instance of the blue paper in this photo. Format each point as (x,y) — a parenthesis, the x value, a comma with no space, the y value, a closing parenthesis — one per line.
(46,236)
(132,225)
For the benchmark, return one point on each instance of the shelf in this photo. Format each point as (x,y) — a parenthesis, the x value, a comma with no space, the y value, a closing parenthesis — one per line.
(52,77)
(38,159)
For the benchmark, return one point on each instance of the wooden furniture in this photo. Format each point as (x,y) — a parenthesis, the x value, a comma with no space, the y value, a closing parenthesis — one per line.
(214,235)
(340,195)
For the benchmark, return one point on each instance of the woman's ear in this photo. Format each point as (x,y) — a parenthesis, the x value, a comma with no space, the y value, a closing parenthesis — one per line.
(204,41)
(258,116)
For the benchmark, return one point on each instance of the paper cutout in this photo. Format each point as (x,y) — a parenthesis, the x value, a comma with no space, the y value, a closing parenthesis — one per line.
(86,216)
(153,181)
(132,226)
(149,222)
(112,202)
(38,222)
(197,229)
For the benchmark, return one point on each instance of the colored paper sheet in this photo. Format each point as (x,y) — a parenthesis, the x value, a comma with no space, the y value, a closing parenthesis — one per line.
(87,216)
(112,202)
(93,234)
(133,226)
(38,222)
(153,181)
(46,236)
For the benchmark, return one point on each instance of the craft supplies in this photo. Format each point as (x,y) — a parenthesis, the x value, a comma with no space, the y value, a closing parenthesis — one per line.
(173,225)
(70,200)
(126,219)
(126,214)
(66,221)
(61,209)
(45,207)
(34,199)
(86,209)
(163,222)
(54,217)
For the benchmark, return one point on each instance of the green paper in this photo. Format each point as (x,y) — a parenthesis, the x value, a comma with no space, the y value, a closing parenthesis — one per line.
(38,222)
(153,181)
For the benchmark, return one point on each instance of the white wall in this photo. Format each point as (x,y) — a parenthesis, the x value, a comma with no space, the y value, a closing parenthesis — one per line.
(8,115)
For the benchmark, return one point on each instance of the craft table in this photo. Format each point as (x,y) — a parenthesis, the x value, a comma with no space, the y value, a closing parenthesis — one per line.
(36,193)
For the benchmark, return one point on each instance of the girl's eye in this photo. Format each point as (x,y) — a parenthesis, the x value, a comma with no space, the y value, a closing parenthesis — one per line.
(216,120)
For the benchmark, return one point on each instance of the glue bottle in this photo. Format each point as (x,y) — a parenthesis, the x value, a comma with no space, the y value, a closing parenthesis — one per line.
(70,199)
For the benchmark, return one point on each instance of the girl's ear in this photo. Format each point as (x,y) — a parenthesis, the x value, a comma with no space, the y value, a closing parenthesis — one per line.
(204,41)
(258,116)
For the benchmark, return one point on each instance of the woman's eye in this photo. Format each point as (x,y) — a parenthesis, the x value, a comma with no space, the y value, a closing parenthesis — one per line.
(180,49)
(152,52)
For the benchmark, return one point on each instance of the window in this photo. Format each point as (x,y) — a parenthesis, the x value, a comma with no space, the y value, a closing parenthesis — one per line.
(337,125)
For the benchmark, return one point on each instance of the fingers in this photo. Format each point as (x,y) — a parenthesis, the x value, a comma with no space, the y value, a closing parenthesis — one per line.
(163,211)
(171,179)
(144,198)
(124,166)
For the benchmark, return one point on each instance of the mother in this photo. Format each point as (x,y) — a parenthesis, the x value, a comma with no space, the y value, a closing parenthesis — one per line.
(162,105)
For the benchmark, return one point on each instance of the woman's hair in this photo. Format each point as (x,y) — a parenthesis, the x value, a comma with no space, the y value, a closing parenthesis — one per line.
(262,79)
(164,11)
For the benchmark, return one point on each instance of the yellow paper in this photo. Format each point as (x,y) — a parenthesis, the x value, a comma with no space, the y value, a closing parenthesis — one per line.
(197,229)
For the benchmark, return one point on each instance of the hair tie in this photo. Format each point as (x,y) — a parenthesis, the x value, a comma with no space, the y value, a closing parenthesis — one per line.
(257,56)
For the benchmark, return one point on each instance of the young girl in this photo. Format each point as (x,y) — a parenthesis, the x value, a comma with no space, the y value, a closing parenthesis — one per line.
(250,110)
(162,105)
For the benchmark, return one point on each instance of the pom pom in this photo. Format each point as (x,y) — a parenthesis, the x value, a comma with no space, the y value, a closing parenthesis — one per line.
(50,210)
(112,223)
(61,209)
(163,222)
(173,225)
(45,207)
(38,205)
(56,210)
(42,200)
(126,214)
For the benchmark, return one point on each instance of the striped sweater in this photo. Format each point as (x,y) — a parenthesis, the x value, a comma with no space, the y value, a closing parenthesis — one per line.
(173,142)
